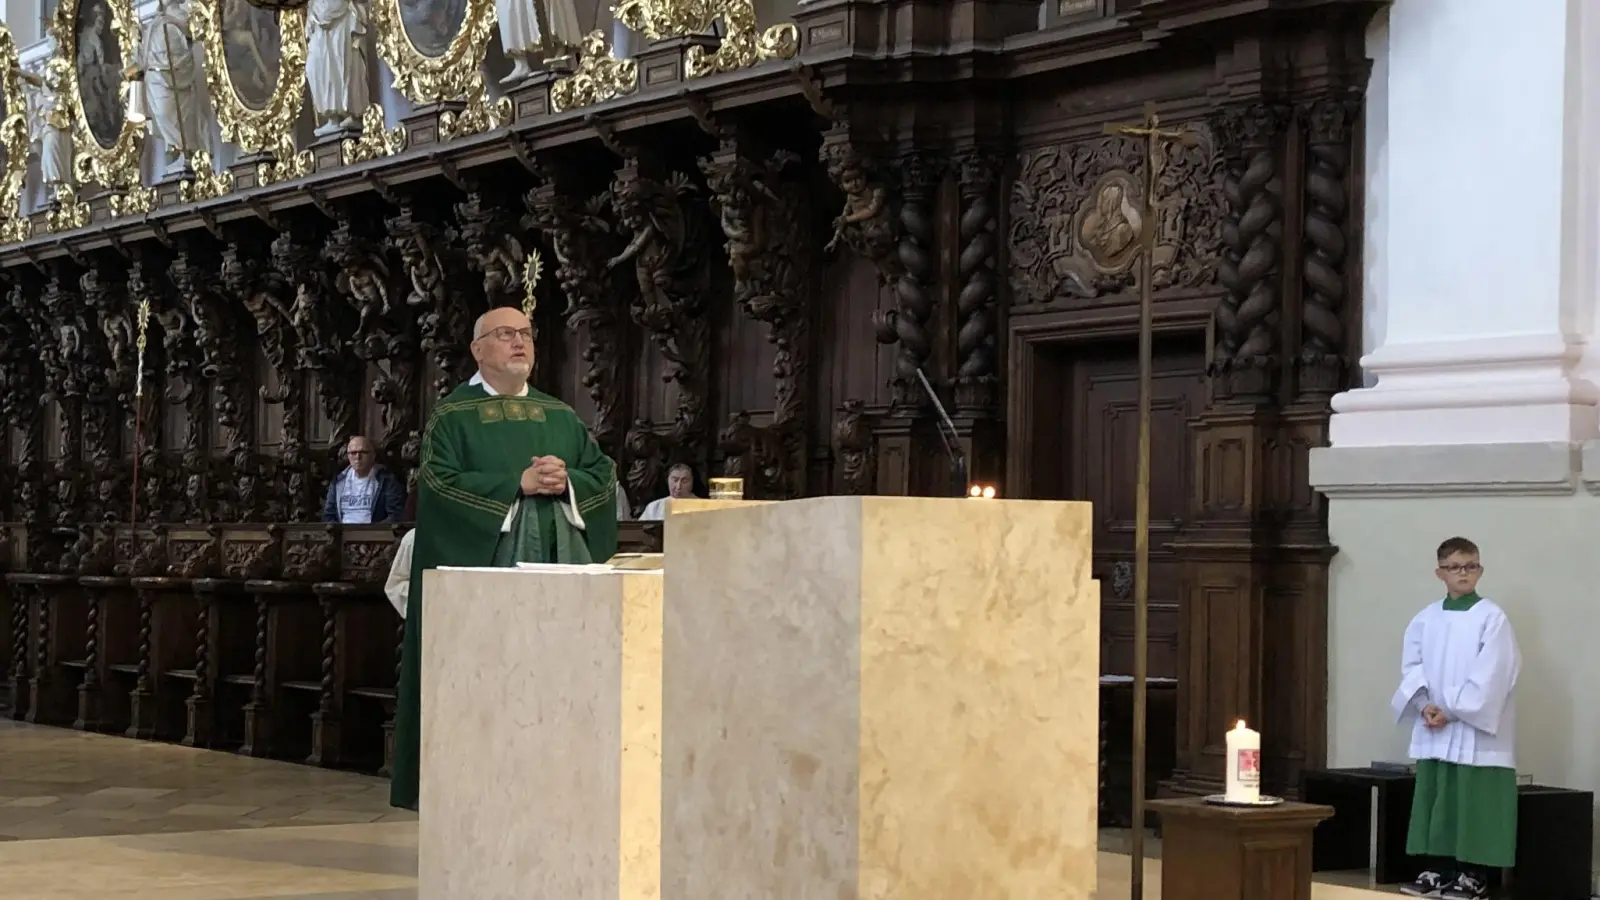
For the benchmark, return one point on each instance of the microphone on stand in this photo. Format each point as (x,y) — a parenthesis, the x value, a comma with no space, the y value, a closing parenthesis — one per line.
(951,439)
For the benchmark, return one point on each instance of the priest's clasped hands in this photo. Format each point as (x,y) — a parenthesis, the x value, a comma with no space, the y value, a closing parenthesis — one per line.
(547,476)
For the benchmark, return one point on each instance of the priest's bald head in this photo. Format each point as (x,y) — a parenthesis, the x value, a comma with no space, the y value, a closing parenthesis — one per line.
(502,343)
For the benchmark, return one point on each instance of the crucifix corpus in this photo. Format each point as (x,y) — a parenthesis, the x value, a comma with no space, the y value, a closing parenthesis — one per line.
(1155,139)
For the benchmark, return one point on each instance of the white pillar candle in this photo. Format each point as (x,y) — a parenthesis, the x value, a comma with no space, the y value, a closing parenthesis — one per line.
(1244,765)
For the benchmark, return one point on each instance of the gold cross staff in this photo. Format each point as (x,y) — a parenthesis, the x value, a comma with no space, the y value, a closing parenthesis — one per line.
(1155,138)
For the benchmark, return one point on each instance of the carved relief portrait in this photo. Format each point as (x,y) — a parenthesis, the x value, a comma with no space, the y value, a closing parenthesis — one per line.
(1109,225)
(1078,215)
(253,48)
(430,25)
(99,64)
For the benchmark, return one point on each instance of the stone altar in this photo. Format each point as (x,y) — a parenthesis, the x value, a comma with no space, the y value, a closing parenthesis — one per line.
(541,735)
(880,697)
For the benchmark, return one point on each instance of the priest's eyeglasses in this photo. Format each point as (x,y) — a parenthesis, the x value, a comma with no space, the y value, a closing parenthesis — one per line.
(505,333)
(1465,569)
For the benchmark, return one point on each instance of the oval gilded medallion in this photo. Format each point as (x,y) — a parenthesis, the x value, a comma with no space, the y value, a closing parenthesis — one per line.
(99,68)
(253,48)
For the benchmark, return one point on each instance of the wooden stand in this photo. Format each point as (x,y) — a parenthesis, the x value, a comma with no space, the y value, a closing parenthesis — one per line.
(1229,853)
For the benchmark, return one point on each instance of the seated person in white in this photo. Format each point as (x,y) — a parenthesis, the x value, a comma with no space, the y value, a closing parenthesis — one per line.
(398,587)
(680,484)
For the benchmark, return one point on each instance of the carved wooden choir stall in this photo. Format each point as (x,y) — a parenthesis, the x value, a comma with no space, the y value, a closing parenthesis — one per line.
(740,245)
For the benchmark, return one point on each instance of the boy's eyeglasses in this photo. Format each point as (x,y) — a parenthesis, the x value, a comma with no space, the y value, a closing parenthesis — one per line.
(1467,569)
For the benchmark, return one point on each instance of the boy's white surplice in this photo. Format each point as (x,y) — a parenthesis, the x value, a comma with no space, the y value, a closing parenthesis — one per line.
(1466,663)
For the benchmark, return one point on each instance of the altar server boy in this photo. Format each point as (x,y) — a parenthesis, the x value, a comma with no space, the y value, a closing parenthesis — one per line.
(1458,671)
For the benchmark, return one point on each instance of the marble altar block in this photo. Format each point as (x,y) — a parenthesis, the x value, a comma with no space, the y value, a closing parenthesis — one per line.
(541,735)
(880,698)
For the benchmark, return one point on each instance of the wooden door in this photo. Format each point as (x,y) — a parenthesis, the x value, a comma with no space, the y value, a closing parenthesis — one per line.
(1098,443)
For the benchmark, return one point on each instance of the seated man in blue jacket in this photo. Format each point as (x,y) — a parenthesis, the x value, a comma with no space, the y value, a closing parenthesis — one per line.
(365,492)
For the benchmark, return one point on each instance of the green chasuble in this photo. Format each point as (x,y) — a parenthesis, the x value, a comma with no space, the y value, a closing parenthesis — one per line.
(474,451)
(1464,813)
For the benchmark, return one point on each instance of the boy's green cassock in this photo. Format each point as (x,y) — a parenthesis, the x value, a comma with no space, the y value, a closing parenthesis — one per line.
(474,451)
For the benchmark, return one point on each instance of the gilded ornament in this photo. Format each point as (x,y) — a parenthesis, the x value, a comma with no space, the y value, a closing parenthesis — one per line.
(270,128)
(207,182)
(600,77)
(531,272)
(480,115)
(453,76)
(135,201)
(69,213)
(15,139)
(742,44)
(116,167)
(376,141)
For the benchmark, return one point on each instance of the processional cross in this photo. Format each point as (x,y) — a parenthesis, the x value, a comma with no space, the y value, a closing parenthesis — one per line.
(1155,138)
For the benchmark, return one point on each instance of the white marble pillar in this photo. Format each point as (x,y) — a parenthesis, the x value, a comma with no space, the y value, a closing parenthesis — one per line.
(1479,414)
(1480,243)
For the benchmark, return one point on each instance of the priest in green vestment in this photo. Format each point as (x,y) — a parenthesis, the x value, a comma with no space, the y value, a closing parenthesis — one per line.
(507,475)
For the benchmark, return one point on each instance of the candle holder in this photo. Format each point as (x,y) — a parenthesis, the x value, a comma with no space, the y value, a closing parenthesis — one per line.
(727,488)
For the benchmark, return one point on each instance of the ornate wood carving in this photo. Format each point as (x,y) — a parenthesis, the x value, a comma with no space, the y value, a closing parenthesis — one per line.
(146,425)
(667,247)
(582,242)
(396,345)
(104,353)
(765,217)
(443,324)
(223,347)
(1329,125)
(178,491)
(977,378)
(491,246)
(1077,211)
(909,324)
(868,223)
(21,385)
(1246,356)
(857,447)
(60,338)
(647,468)
(361,278)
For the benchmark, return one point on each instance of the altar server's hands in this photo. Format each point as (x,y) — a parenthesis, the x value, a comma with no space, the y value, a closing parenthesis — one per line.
(1434,717)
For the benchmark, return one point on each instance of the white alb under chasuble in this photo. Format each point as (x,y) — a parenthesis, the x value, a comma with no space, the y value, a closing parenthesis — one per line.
(1466,663)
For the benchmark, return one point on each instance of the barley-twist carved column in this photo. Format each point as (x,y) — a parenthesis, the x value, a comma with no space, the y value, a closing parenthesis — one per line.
(1322,363)
(1246,353)
(908,324)
(977,381)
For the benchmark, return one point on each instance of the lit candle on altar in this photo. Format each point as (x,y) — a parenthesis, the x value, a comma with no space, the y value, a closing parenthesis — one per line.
(1244,765)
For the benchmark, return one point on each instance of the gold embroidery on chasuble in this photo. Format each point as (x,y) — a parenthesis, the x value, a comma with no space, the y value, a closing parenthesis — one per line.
(516,411)
(492,412)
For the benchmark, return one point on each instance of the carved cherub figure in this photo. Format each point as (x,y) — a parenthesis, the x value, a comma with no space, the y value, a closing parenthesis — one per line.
(303,318)
(363,281)
(653,213)
(423,269)
(866,211)
(117,328)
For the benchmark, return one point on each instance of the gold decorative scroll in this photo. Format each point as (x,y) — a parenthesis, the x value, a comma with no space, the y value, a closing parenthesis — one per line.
(207,182)
(742,45)
(115,168)
(600,77)
(375,140)
(14,138)
(456,76)
(266,130)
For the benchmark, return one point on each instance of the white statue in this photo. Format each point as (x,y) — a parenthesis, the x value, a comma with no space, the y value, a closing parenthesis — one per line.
(336,63)
(50,122)
(522,38)
(172,83)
